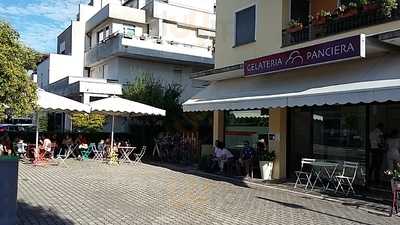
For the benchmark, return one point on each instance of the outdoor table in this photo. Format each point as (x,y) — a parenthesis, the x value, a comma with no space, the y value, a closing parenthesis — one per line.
(125,153)
(71,148)
(320,168)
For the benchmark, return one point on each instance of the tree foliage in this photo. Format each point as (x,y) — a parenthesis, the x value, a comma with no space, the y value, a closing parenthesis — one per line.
(88,122)
(148,90)
(17,90)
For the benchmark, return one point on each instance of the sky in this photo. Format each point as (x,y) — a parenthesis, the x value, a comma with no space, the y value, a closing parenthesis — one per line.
(39,22)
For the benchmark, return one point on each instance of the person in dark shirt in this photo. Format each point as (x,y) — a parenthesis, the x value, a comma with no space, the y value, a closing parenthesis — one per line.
(246,157)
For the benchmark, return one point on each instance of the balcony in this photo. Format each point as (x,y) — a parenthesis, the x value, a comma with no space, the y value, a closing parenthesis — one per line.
(117,12)
(182,15)
(149,48)
(333,25)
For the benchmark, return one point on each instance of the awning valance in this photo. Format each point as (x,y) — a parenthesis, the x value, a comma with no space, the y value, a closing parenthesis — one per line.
(359,81)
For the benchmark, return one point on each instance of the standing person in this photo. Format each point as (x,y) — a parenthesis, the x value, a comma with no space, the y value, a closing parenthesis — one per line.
(393,144)
(377,144)
(246,157)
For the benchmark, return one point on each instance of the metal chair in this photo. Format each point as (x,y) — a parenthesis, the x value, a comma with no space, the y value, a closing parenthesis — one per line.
(305,172)
(347,177)
(98,152)
(138,157)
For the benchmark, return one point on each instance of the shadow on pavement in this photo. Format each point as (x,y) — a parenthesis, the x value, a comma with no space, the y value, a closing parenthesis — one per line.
(195,172)
(28,214)
(296,206)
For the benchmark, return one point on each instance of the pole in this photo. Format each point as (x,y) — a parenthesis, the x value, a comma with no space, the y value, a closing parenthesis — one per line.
(112,132)
(37,135)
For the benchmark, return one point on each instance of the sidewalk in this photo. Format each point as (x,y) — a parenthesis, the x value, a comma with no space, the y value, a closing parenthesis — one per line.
(372,203)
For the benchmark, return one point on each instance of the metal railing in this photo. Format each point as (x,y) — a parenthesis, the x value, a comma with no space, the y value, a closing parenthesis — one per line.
(336,25)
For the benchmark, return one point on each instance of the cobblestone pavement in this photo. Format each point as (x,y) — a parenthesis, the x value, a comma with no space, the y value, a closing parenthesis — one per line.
(95,193)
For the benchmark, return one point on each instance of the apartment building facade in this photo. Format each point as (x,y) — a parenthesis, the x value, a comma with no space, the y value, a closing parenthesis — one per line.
(112,42)
(312,77)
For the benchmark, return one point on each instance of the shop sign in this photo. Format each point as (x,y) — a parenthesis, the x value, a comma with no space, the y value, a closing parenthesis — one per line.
(329,52)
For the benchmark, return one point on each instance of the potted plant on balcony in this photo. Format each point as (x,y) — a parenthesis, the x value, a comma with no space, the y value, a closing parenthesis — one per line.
(321,17)
(387,6)
(267,165)
(294,26)
(368,6)
(351,9)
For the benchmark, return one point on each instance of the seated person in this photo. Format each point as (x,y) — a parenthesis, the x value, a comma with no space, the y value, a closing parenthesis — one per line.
(47,147)
(67,140)
(2,150)
(222,155)
(246,157)
(21,148)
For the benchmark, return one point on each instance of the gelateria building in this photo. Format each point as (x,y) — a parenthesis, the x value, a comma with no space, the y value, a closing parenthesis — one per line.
(320,101)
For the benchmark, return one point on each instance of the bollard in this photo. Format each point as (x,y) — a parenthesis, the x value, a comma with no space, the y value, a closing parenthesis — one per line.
(8,190)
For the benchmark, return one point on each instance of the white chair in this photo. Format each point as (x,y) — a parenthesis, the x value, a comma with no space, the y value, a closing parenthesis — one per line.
(347,177)
(139,156)
(305,172)
(98,152)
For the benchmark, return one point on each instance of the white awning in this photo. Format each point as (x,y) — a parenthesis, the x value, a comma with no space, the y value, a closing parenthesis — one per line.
(51,102)
(118,106)
(359,81)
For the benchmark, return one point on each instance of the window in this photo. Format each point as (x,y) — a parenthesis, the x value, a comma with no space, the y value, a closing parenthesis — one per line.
(100,36)
(245,125)
(129,31)
(245,26)
(105,70)
(62,48)
(108,32)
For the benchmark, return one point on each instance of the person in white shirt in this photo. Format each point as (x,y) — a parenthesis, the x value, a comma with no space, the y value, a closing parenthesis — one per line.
(377,146)
(47,147)
(222,155)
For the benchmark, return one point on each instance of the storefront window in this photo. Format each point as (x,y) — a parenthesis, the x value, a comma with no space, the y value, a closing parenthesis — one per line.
(339,133)
(248,125)
(334,133)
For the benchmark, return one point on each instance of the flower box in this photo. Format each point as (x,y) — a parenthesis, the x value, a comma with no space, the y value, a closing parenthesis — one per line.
(294,29)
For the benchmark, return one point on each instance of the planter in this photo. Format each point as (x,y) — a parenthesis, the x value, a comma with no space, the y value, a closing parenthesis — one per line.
(266,170)
(320,20)
(294,29)
(349,13)
(8,190)
(370,8)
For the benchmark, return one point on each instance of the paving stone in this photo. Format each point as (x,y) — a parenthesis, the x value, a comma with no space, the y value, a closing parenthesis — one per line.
(95,193)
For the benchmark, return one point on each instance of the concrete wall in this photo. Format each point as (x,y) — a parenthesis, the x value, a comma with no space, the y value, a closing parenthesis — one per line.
(126,70)
(203,5)
(184,16)
(268,31)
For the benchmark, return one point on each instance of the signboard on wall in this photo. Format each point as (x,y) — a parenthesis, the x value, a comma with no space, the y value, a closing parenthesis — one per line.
(329,52)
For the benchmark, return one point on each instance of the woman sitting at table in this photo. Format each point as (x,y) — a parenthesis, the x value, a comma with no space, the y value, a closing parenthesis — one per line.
(82,144)
(48,148)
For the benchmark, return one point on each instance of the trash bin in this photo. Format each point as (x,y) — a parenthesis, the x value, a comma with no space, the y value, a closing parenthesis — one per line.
(8,190)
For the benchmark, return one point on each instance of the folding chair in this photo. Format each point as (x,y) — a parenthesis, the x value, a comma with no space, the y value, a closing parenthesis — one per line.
(347,177)
(98,152)
(305,172)
(138,157)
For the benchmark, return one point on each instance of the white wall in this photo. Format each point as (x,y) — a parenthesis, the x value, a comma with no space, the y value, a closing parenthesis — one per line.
(127,70)
(204,5)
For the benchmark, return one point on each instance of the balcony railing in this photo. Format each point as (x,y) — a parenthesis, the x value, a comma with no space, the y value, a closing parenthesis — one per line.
(336,25)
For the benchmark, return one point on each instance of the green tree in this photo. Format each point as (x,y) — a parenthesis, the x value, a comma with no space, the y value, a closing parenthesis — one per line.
(88,122)
(17,90)
(148,90)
